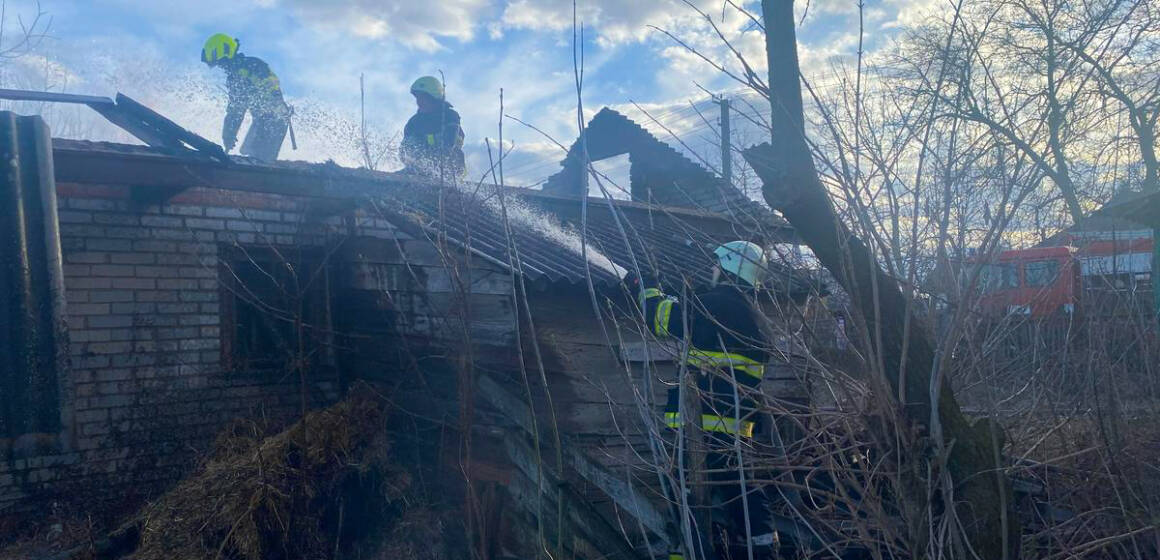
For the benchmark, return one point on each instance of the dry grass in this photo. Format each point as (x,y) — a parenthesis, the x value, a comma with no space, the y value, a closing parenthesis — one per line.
(322,486)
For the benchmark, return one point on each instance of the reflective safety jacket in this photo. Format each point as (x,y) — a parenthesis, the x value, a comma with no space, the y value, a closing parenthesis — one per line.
(252,87)
(432,139)
(725,345)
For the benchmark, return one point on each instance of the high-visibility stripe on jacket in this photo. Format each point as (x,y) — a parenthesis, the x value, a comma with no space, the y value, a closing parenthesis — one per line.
(715,423)
(726,362)
(726,317)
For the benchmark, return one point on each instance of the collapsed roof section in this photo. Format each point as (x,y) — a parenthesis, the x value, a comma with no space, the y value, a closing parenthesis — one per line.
(659,174)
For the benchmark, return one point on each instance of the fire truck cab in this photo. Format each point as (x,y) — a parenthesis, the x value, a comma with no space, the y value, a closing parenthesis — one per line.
(1039,282)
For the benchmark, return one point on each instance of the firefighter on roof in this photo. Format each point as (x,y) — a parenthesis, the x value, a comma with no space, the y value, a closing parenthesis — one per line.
(728,351)
(252,87)
(433,138)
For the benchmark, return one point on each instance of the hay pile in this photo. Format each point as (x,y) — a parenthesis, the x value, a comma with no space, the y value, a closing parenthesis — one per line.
(322,488)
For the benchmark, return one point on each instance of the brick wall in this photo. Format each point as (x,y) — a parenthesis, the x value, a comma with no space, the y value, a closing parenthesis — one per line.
(147,387)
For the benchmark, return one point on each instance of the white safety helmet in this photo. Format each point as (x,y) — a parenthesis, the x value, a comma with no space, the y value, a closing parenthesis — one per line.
(742,259)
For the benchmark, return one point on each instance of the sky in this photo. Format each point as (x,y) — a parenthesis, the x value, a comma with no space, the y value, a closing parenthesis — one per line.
(150,51)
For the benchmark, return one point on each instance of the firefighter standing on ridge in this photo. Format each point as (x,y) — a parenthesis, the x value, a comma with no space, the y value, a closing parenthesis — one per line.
(433,138)
(728,351)
(252,87)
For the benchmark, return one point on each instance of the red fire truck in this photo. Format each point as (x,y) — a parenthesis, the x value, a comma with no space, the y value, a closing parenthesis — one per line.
(1103,276)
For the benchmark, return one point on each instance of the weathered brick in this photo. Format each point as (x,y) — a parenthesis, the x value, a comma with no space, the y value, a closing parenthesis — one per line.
(177,332)
(100,296)
(158,320)
(82,230)
(211,308)
(199,320)
(122,232)
(122,334)
(133,360)
(262,215)
(200,344)
(215,212)
(133,258)
(89,309)
(156,296)
(161,221)
(174,234)
(179,259)
(244,238)
(154,246)
(87,362)
(86,257)
(77,269)
(86,283)
(67,217)
(199,296)
(177,308)
(110,321)
(92,204)
(179,210)
(72,243)
(112,270)
(85,335)
(117,374)
(117,219)
(211,331)
(136,283)
(205,223)
(198,272)
(196,248)
(133,308)
(280,228)
(157,272)
(176,284)
(103,244)
(110,347)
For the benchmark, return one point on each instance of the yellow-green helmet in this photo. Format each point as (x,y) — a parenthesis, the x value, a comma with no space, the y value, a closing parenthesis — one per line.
(429,85)
(218,47)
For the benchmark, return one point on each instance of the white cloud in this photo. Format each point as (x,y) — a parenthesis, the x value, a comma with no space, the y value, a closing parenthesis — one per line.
(416,24)
(615,21)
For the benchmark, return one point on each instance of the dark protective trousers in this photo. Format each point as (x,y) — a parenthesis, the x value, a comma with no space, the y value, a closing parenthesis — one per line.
(264,139)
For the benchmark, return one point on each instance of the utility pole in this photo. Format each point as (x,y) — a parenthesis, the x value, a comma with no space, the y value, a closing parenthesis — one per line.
(726,147)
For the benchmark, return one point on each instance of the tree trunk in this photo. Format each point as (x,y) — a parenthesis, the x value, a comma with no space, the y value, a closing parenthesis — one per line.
(792,185)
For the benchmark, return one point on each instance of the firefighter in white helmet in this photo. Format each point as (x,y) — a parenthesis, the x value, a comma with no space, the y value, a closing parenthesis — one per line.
(728,350)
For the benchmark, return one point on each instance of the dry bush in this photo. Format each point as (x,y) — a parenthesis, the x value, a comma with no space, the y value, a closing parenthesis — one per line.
(322,486)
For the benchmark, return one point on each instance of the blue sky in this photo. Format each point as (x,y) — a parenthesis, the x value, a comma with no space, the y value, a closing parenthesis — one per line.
(149,50)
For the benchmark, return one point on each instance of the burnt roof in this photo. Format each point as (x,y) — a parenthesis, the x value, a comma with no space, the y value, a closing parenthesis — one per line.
(544,229)
(685,184)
